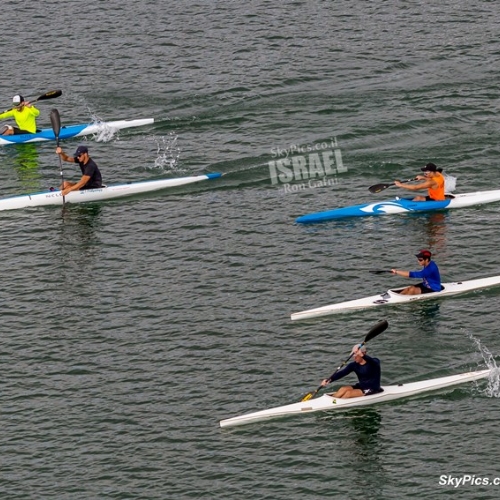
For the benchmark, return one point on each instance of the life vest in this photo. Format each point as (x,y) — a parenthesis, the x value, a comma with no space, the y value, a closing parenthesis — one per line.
(437,194)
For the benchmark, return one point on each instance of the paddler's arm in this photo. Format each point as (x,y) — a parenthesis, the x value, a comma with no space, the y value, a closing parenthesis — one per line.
(7,114)
(371,360)
(77,186)
(337,375)
(34,111)
(64,156)
(404,274)
(415,187)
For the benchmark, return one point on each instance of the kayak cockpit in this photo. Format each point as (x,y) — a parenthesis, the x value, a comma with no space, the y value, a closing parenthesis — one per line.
(397,291)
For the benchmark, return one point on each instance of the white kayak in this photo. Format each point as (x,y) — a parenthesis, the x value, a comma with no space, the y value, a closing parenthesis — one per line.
(98,194)
(69,131)
(329,403)
(394,296)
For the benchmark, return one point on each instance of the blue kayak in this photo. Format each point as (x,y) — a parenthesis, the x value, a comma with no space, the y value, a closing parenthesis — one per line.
(73,131)
(401,205)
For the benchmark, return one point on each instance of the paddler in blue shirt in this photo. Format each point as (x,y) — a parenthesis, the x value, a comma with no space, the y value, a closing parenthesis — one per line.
(366,368)
(431,279)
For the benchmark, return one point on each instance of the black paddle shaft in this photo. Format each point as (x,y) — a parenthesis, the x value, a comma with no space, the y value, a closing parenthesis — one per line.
(374,331)
(51,94)
(376,188)
(55,120)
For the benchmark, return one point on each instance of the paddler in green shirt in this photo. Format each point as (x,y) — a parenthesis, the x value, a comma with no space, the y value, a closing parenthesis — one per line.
(25,115)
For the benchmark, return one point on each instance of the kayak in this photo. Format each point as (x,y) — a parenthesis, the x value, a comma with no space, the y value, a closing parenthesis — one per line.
(393,296)
(328,403)
(73,131)
(99,194)
(402,205)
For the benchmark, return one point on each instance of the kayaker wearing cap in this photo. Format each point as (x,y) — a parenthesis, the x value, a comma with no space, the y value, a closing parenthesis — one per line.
(433,182)
(367,370)
(431,279)
(25,115)
(91,177)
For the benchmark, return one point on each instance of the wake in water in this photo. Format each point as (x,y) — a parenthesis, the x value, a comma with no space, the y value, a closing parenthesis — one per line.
(493,388)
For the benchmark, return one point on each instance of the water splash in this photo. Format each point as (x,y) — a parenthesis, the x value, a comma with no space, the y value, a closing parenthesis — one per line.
(105,133)
(493,388)
(168,153)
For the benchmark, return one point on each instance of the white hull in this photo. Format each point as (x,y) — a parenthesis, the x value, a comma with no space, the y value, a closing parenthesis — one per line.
(96,128)
(99,194)
(328,403)
(393,297)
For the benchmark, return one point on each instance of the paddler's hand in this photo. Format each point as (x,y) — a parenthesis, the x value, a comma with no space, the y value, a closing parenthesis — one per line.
(398,184)
(357,350)
(325,382)
(59,150)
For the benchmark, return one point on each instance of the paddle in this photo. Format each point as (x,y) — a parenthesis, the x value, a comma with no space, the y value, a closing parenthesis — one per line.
(380,271)
(51,94)
(376,188)
(55,120)
(374,331)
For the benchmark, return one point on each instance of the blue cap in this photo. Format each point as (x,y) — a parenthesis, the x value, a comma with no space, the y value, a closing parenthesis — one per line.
(80,150)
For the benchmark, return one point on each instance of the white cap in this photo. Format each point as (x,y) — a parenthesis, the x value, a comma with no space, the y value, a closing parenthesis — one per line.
(17,99)
(358,347)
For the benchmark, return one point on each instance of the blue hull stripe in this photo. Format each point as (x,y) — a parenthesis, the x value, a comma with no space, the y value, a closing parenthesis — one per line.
(46,134)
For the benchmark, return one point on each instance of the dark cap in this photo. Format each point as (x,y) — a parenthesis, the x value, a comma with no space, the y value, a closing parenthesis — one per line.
(17,99)
(423,254)
(430,167)
(80,150)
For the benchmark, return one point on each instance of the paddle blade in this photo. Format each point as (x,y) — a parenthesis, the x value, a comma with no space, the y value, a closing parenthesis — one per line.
(377,329)
(376,188)
(55,120)
(310,395)
(51,94)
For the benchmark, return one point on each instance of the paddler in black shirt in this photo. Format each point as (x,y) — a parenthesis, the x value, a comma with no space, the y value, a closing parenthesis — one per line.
(366,368)
(91,177)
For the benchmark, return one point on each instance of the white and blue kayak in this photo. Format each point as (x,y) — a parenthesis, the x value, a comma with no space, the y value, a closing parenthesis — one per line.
(401,206)
(394,297)
(73,131)
(329,403)
(98,194)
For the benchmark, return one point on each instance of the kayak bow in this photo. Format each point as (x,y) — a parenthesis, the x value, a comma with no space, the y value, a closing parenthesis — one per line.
(328,403)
